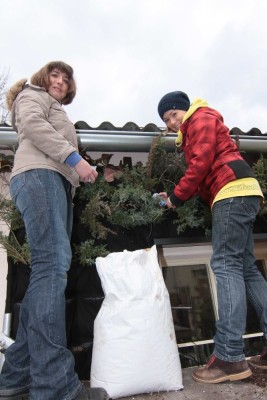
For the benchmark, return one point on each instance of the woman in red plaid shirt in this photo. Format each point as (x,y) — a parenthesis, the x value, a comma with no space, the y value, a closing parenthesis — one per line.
(219,175)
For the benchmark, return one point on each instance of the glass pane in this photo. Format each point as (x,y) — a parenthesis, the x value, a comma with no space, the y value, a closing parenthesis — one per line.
(191,302)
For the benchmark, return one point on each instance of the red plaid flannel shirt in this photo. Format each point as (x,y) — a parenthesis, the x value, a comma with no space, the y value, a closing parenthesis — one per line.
(208,148)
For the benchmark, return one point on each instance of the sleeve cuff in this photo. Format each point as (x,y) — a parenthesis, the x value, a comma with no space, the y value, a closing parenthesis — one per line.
(175,200)
(73,159)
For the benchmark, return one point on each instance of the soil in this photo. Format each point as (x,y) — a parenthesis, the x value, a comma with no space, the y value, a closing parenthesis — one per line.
(258,377)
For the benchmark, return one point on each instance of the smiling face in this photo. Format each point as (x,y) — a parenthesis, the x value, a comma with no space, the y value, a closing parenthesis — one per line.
(173,119)
(58,84)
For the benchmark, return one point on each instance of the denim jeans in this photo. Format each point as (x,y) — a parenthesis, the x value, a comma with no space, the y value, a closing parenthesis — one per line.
(237,275)
(39,357)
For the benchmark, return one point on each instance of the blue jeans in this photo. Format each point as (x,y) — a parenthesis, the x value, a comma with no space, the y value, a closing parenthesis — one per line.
(237,275)
(39,357)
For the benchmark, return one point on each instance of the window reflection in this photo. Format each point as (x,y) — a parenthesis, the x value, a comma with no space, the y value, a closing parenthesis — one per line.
(191,302)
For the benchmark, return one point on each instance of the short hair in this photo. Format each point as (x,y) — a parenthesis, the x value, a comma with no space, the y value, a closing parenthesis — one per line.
(41,78)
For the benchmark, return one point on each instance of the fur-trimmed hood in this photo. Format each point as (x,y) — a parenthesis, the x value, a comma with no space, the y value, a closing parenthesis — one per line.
(14,91)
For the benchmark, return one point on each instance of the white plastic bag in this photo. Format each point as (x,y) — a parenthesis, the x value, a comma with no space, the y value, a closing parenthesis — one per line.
(134,348)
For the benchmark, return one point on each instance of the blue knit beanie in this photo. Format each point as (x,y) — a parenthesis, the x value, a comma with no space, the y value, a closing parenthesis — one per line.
(173,100)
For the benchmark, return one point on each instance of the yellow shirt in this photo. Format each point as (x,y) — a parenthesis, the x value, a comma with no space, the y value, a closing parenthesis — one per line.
(239,187)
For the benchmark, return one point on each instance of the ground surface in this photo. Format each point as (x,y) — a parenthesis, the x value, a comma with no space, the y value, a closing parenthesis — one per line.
(259,378)
(253,388)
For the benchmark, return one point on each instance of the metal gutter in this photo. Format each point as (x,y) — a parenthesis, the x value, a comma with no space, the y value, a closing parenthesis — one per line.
(130,141)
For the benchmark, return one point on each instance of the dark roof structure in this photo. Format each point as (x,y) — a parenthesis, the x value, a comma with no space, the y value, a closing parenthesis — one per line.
(150,127)
(129,126)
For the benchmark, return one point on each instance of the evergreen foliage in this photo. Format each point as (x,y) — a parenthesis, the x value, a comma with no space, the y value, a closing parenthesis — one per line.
(87,252)
(194,215)
(10,216)
(260,170)
(126,203)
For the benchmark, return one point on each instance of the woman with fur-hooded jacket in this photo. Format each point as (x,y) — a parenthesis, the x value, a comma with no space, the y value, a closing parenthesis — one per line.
(216,171)
(47,168)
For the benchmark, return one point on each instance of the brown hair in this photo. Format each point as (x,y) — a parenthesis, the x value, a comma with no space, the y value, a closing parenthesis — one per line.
(41,78)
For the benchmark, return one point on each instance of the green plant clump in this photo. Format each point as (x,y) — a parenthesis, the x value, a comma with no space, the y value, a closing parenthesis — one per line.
(125,203)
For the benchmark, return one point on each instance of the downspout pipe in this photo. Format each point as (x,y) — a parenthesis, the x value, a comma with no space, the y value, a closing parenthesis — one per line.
(130,141)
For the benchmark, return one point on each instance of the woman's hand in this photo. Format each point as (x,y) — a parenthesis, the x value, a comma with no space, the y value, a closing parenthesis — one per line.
(167,200)
(86,172)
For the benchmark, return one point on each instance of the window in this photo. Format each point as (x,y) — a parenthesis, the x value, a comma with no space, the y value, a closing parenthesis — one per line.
(191,302)
(192,288)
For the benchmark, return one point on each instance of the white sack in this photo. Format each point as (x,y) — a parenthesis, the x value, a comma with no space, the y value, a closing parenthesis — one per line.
(134,348)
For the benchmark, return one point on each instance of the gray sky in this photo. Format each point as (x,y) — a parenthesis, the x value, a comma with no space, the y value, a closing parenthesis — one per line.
(127,54)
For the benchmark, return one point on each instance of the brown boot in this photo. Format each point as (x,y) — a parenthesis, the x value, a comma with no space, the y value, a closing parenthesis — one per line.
(259,361)
(217,370)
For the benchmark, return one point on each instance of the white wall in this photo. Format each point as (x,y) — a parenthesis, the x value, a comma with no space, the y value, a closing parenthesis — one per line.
(3,274)
(4,191)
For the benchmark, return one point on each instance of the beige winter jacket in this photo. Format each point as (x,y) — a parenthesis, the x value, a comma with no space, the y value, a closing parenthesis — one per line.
(46,136)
